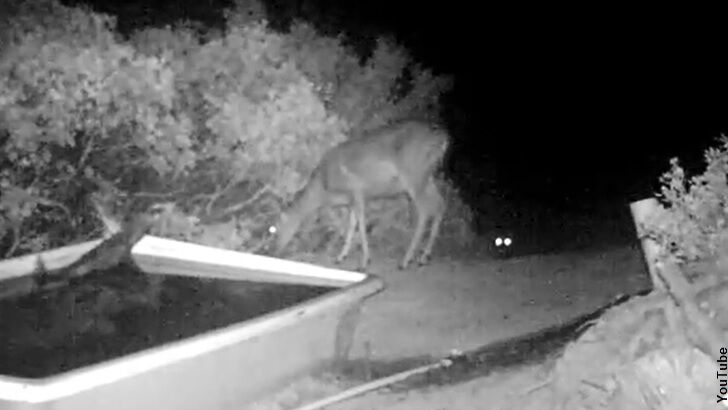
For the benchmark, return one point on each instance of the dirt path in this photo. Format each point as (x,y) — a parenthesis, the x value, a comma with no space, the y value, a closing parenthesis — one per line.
(463,304)
(466,304)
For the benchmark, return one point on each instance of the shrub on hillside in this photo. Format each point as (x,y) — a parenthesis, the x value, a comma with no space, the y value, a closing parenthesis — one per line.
(228,125)
(692,223)
(77,105)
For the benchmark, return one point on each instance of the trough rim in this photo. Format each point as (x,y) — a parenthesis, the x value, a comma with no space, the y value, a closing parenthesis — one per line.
(71,382)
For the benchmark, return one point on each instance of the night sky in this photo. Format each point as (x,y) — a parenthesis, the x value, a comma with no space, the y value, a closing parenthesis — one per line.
(591,108)
(548,105)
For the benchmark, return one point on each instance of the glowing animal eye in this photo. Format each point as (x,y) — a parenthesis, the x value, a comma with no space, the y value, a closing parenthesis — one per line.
(272,229)
(508,241)
(498,241)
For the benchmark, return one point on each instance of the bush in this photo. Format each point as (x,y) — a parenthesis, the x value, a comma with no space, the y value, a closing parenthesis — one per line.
(228,125)
(78,105)
(692,223)
(386,87)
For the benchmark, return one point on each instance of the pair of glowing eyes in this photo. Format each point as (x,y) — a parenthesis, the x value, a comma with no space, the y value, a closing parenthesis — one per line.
(499,241)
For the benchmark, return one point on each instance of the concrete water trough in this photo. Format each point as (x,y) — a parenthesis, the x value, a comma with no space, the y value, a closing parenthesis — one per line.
(226,328)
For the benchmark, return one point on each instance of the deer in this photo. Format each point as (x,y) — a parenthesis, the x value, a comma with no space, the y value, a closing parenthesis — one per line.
(395,159)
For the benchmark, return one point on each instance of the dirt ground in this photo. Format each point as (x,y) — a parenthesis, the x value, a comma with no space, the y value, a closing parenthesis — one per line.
(467,303)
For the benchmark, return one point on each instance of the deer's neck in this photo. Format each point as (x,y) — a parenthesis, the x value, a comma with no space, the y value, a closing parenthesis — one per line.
(310,200)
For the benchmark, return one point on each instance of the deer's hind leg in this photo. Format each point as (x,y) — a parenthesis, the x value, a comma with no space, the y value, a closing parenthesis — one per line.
(421,219)
(436,205)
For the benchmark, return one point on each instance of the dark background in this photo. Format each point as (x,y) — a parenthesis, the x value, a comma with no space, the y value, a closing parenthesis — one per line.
(560,109)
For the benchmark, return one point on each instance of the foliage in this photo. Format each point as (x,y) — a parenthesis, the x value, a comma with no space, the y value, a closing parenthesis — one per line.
(386,87)
(458,224)
(41,21)
(78,105)
(227,124)
(245,12)
(692,224)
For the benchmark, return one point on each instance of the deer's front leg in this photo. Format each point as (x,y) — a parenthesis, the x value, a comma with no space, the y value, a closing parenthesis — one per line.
(359,208)
(349,237)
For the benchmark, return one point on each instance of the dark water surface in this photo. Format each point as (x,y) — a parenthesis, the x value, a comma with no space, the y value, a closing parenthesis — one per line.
(111,313)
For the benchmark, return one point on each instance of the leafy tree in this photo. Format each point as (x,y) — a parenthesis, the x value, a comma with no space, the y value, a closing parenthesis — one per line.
(228,123)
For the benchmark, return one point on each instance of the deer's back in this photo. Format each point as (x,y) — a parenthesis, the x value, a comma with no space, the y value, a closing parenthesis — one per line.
(382,162)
